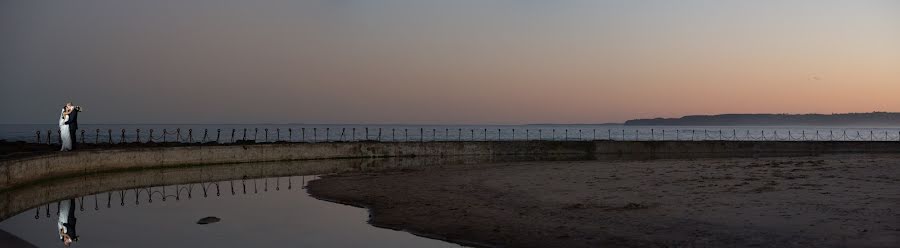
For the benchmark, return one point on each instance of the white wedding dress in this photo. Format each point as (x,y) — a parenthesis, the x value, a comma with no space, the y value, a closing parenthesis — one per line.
(64,132)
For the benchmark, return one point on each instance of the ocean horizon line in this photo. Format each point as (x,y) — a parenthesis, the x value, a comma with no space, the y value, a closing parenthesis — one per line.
(345,124)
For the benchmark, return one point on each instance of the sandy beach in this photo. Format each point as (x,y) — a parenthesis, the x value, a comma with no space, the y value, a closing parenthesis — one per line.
(822,201)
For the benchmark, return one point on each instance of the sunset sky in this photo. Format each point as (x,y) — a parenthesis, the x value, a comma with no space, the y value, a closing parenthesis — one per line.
(453,62)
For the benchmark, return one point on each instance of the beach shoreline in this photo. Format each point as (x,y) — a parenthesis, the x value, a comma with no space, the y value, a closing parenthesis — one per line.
(818,201)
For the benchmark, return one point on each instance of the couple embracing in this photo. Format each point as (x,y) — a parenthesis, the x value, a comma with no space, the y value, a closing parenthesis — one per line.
(68,126)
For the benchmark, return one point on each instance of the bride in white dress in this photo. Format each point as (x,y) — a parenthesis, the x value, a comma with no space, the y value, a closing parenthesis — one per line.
(64,130)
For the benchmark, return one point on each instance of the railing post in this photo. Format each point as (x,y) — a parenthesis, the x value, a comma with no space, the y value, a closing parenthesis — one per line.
(37,136)
(652,134)
(109,135)
(218,134)
(82,136)
(277,134)
(434,134)
(49,133)
(150,136)
(315,135)
(367,134)
(122,140)
(327,131)
(97,136)
(178,134)
(137,136)
(205,135)
(379,134)
(191,135)
(302,134)
(421,134)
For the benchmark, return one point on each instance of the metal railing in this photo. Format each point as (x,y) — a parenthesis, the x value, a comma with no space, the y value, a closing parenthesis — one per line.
(328,134)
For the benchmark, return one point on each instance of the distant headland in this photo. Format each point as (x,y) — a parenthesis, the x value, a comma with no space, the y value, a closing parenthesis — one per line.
(846,119)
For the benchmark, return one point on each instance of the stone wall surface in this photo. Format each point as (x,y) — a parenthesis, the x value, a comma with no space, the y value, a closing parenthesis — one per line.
(22,171)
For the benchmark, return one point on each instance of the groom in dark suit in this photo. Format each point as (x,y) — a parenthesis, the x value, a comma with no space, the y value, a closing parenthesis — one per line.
(66,222)
(73,123)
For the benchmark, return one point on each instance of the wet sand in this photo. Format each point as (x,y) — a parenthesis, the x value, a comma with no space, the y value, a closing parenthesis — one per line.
(823,201)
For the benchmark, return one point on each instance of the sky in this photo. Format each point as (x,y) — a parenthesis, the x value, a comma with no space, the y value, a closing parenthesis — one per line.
(443,62)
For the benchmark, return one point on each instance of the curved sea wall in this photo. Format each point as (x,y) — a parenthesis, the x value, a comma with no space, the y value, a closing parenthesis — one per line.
(23,171)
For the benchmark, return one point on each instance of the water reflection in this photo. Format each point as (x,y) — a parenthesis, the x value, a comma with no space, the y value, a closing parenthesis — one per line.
(67,222)
(259,204)
(261,212)
(146,195)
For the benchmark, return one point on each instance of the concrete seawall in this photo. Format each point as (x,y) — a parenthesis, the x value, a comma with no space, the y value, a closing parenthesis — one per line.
(23,171)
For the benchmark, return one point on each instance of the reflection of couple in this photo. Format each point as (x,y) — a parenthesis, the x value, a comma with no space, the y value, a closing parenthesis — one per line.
(66,223)
(68,126)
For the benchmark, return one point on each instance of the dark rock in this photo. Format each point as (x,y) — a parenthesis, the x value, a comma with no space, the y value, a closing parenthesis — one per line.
(208,220)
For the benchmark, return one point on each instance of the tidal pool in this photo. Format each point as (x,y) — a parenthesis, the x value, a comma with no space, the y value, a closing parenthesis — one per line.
(260,212)
(252,205)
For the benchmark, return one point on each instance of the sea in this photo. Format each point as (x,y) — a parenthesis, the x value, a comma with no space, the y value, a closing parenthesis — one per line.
(226,133)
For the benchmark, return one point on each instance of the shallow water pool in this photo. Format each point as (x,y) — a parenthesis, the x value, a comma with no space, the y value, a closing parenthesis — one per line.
(262,212)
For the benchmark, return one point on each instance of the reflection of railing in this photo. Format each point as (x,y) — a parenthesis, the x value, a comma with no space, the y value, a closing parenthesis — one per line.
(462,134)
(163,193)
(50,191)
